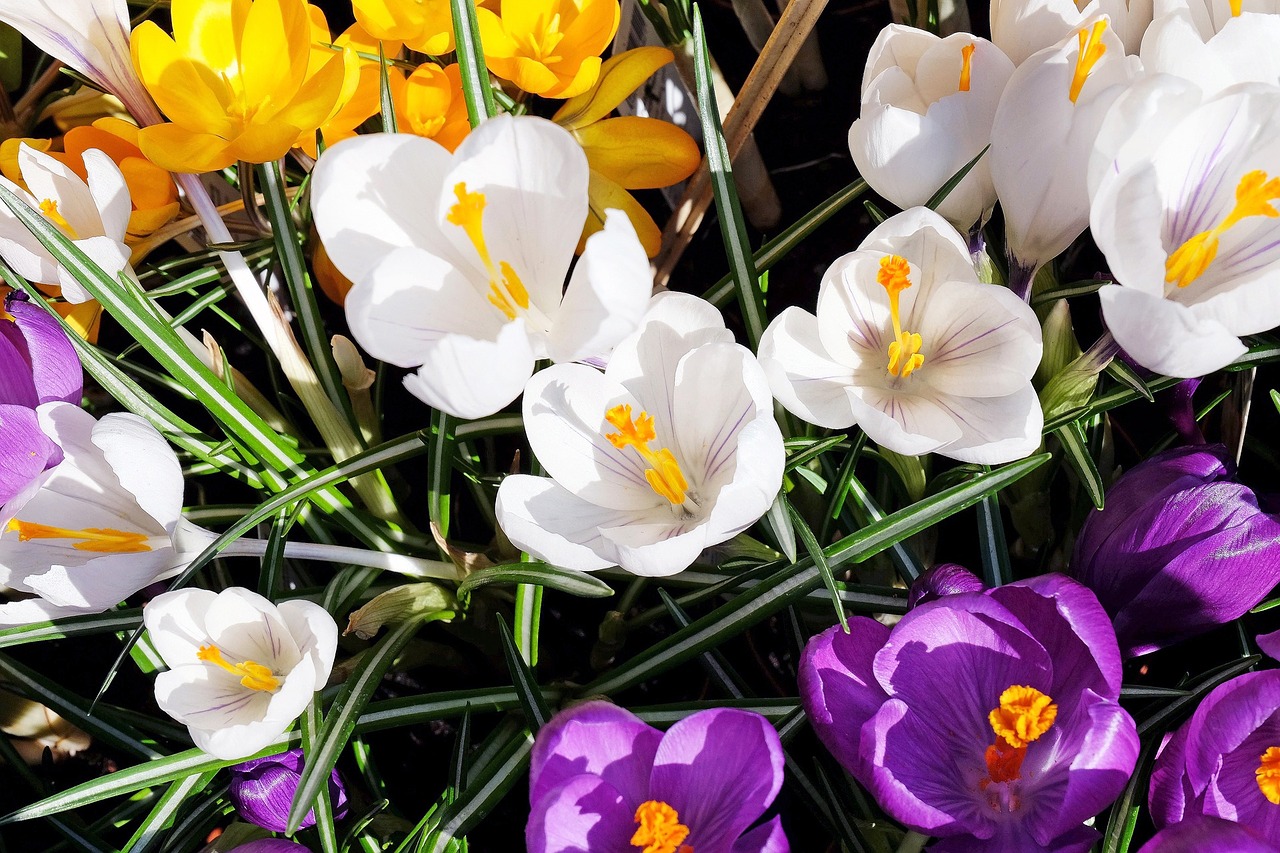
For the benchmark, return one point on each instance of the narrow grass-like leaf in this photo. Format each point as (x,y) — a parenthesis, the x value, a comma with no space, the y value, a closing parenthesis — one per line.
(528,621)
(820,560)
(1125,810)
(803,451)
(386,105)
(1066,291)
(542,574)
(846,828)
(71,626)
(945,190)
(482,794)
(1107,401)
(1120,371)
(309,727)
(733,228)
(440,471)
(992,543)
(476,89)
(536,712)
(1163,719)
(712,660)
(190,831)
(904,560)
(1076,450)
(273,559)
(839,488)
(149,833)
(778,522)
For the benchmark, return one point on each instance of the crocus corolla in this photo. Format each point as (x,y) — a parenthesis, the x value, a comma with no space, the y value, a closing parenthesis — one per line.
(548,47)
(911,346)
(1214,43)
(941,580)
(1023,27)
(459,260)
(602,780)
(989,720)
(241,669)
(262,790)
(672,449)
(1179,548)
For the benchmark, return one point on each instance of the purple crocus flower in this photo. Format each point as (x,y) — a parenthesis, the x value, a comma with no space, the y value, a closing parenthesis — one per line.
(604,781)
(1225,760)
(262,790)
(943,579)
(1201,833)
(1179,549)
(987,719)
(269,845)
(37,365)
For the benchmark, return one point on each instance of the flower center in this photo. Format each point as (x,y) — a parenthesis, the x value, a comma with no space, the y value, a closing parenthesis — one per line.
(660,829)
(966,66)
(1254,195)
(904,352)
(103,540)
(1268,774)
(1023,715)
(506,292)
(540,41)
(1091,50)
(49,208)
(663,475)
(252,674)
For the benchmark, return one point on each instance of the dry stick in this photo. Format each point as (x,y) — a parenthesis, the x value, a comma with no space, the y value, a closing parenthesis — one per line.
(779,52)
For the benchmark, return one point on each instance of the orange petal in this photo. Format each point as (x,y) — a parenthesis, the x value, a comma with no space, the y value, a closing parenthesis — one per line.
(603,194)
(640,153)
(149,185)
(619,77)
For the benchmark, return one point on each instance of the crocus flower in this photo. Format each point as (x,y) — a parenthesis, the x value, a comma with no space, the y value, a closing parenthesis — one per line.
(602,780)
(422,25)
(1201,833)
(1186,216)
(430,103)
(262,790)
(37,365)
(927,108)
(626,152)
(548,47)
(241,669)
(988,720)
(909,345)
(1041,140)
(99,525)
(1214,43)
(941,580)
(672,449)
(1023,27)
(269,845)
(237,81)
(1180,548)
(1225,761)
(459,260)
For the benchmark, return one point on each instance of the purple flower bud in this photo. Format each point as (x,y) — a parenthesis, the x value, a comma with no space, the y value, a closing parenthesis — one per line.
(1179,549)
(262,791)
(1198,834)
(943,579)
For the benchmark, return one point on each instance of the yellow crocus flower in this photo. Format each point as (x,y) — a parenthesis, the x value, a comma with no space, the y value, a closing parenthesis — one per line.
(431,104)
(151,188)
(236,81)
(627,152)
(548,47)
(423,25)
(362,98)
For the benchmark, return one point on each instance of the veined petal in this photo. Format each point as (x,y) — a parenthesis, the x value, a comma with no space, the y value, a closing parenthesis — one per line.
(315,632)
(473,378)
(639,153)
(1166,336)
(25,451)
(175,623)
(103,581)
(802,376)
(619,76)
(905,423)
(583,813)
(994,430)
(598,738)
(656,547)
(980,340)
(554,525)
(55,368)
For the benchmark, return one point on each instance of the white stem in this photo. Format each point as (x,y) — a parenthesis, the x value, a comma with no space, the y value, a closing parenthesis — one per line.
(412,567)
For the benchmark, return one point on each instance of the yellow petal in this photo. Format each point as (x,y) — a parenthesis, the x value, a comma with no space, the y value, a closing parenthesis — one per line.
(588,34)
(603,194)
(144,222)
(274,54)
(262,143)
(210,30)
(498,44)
(126,130)
(180,150)
(85,319)
(619,77)
(187,93)
(582,80)
(9,156)
(640,153)
(149,185)
(316,100)
(522,18)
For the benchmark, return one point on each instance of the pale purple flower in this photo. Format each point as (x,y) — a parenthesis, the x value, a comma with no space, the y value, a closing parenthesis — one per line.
(987,719)
(601,779)
(262,790)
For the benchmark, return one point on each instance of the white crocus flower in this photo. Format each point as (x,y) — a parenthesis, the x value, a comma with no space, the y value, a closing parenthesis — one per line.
(927,108)
(94,215)
(241,669)
(1215,43)
(673,448)
(99,526)
(1191,231)
(1023,27)
(459,260)
(1041,140)
(910,346)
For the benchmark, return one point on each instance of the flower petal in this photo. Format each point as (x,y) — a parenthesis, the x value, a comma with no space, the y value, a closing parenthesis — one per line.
(802,376)
(620,75)
(555,525)
(1165,336)
(598,738)
(55,367)
(583,814)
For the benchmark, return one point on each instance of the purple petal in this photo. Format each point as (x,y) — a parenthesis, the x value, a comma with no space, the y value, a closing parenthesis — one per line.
(269,845)
(1170,793)
(720,770)
(1012,839)
(17,387)
(597,738)
(1270,644)
(1202,832)
(768,837)
(55,367)
(1182,412)
(262,790)
(943,579)
(583,815)
(25,451)
(839,690)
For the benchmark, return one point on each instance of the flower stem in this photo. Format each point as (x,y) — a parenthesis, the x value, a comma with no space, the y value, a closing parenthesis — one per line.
(912,842)
(412,567)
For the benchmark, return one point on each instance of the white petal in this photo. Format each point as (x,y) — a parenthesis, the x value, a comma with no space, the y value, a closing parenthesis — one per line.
(144,464)
(925,239)
(854,323)
(247,627)
(897,46)
(1138,122)
(111,256)
(657,549)
(102,581)
(1165,336)
(1125,217)
(316,634)
(685,321)
(607,294)
(175,620)
(471,378)
(50,180)
(238,740)
(807,382)
(979,340)
(904,422)
(28,611)
(554,525)
(995,429)
(757,478)
(110,193)
(208,698)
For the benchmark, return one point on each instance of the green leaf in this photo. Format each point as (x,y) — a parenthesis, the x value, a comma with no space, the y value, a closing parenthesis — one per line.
(476,89)
(528,619)
(71,626)
(778,522)
(10,58)
(386,105)
(151,830)
(712,660)
(992,543)
(1121,371)
(945,190)
(1076,450)
(541,574)
(440,471)
(536,712)
(509,767)
(820,560)
(309,726)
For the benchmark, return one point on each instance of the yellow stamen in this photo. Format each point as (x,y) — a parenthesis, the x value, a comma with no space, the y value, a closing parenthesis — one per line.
(507,292)
(1023,716)
(664,475)
(966,66)
(1254,195)
(660,829)
(1235,13)
(1091,50)
(103,540)
(49,208)
(254,675)
(1268,774)
(904,351)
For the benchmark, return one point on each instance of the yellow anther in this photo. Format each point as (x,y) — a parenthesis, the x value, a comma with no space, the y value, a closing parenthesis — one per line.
(664,475)
(49,208)
(1023,716)
(252,674)
(1091,50)
(1235,13)
(1254,196)
(966,66)
(102,540)
(1268,774)
(507,292)
(660,829)
(904,351)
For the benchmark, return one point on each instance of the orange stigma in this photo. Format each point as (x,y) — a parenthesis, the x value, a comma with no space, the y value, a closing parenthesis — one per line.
(1268,775)
(660,829)
(904,352)
(103,540)
(1091,50)
(253,675)
(507,292)
(1023,715)
(664,475)
(966,66)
